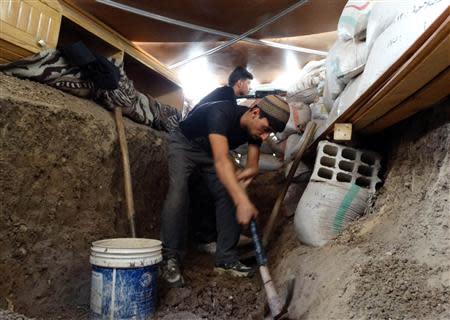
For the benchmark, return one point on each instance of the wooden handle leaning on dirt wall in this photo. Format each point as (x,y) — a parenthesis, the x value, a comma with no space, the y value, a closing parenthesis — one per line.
(308,136)
(126,169)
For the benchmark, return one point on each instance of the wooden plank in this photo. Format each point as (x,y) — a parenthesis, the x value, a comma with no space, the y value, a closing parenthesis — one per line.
(10,52)
(397,72)
(106,33)
(422,67)
(434,91)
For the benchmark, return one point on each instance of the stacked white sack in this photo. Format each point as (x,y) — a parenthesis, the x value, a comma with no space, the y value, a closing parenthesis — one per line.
(393,27)
(308,89)
(309,86)
(348,56)
(300,115)
(345,99)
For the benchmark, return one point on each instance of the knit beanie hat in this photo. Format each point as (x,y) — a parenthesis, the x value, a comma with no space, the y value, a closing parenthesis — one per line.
(276,110)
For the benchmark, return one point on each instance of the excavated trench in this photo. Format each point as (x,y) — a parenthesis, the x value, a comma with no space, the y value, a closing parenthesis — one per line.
(62,189)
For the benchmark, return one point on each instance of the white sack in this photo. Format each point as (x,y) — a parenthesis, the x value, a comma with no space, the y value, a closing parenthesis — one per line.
(353,21)
(325,209)
(385,13)
(312,65)
(350,94)
(306,88)
(333,88)
(333,115)
(300,115)
(397,38)
(347,59)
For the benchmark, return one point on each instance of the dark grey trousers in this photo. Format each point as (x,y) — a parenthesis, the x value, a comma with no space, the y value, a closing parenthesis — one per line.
(185,157)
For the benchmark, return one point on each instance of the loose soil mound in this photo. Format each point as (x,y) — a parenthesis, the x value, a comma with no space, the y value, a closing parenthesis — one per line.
(62,188)
(394,263)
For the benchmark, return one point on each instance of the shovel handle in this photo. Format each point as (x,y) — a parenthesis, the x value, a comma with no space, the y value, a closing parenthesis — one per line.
(261,257)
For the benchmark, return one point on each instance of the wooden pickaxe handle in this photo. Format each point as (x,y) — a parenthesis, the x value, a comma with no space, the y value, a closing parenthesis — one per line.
(126,169)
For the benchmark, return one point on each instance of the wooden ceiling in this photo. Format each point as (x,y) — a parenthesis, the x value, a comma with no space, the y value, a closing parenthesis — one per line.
(310,25)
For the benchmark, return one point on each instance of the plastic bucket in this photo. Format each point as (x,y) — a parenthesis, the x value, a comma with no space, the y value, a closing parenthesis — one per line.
(123,282)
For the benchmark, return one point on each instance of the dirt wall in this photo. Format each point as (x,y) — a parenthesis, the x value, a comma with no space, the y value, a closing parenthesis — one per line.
(62,188)
(395,262)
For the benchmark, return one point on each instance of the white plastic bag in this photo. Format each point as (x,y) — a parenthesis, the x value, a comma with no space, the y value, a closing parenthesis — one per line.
(325,209)
(353,21)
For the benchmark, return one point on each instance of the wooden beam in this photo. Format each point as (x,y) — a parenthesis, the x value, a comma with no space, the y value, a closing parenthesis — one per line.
(434,91)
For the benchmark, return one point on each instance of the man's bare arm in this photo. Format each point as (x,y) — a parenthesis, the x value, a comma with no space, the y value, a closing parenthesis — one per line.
(252,166)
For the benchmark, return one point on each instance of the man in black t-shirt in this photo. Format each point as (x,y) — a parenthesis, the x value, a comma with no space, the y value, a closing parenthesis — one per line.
(202,203)
(238,85)
(202,143)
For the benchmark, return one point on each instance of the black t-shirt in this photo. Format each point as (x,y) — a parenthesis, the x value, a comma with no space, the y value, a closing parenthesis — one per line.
(219,94)
(219,117)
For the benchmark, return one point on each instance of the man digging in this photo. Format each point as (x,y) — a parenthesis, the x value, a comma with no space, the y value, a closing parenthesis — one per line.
(202,143)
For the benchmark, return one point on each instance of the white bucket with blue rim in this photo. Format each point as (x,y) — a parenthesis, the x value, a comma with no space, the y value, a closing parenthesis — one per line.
(124,276)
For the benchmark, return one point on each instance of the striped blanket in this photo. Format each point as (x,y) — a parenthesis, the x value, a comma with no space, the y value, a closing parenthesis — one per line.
(52,68)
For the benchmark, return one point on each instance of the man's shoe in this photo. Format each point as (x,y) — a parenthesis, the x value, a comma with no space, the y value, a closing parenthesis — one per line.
(235,269)
(170,271)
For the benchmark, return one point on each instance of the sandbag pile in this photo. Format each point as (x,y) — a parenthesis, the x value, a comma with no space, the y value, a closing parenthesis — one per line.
(372,35)
(342,182)
(347,58)
(308,91)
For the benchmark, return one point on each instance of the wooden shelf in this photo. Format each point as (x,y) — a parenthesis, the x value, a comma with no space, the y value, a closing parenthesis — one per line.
(60,23)
(26,27)
(414,82)
(102,31)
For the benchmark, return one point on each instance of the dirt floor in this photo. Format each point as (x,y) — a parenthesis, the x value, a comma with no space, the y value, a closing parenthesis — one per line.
(62,178)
